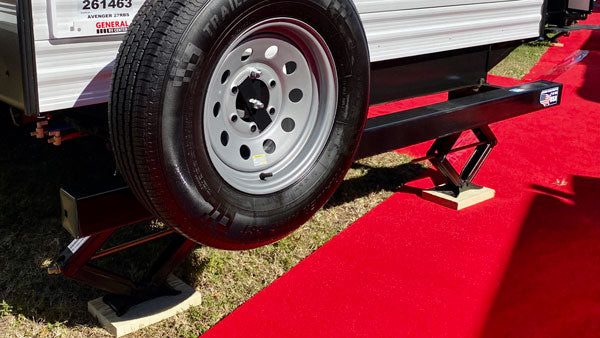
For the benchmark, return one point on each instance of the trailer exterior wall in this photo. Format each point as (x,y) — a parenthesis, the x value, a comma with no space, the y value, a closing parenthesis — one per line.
(402,28)
(11,79)
(76,71)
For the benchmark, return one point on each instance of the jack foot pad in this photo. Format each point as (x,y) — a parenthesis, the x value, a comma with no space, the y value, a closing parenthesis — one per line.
(473,195)
(146,313)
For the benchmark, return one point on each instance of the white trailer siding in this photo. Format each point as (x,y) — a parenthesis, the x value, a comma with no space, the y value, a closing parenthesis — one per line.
(74,74)
(71,72)
(76,71)
(10,60)
(8,14)
(395,31)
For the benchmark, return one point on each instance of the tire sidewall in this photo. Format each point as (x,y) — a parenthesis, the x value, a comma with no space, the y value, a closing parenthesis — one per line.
(210,210)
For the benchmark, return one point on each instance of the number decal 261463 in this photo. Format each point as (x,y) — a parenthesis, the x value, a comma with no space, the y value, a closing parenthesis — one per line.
(104,4)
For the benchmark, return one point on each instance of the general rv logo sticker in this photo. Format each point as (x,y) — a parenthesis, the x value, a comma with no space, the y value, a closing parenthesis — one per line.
(107,27)
(83,18)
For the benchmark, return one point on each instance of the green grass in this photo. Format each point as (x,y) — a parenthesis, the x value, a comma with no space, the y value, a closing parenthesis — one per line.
(521,60)
(33,303)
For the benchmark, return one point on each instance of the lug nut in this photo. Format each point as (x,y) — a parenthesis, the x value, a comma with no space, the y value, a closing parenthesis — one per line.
(234,118)
(253,128)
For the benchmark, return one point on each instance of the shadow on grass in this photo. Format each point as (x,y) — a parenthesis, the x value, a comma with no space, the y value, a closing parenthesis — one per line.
(31,172)
(374,179)
(31,235)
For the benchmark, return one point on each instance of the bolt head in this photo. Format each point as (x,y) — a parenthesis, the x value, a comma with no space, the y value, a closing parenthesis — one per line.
(256,104)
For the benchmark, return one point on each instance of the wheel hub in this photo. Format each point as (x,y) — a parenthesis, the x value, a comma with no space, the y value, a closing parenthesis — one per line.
(251,101)
(272,96)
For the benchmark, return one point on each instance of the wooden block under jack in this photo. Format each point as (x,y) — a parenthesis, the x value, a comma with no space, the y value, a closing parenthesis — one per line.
(147,313)
(467,198)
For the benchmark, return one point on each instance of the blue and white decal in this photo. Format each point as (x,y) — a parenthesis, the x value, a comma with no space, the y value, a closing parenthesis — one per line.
(549,97)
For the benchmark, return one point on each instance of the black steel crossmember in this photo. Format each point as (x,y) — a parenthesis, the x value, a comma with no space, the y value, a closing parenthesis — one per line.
(465,112)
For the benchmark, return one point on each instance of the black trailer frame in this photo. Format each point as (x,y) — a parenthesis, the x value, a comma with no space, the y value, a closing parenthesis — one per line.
(92,218)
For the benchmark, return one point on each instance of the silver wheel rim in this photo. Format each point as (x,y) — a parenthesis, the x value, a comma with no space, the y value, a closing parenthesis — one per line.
(270,106)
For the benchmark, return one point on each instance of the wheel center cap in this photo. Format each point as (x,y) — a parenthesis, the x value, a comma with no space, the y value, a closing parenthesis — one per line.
(251,102)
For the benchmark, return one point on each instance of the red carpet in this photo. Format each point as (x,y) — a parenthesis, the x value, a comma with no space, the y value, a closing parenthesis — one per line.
(524,264)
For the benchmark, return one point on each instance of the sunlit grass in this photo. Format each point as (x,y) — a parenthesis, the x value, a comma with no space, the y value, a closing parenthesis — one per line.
(521,60)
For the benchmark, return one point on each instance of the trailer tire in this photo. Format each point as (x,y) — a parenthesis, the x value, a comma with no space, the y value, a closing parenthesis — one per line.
(235,121)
